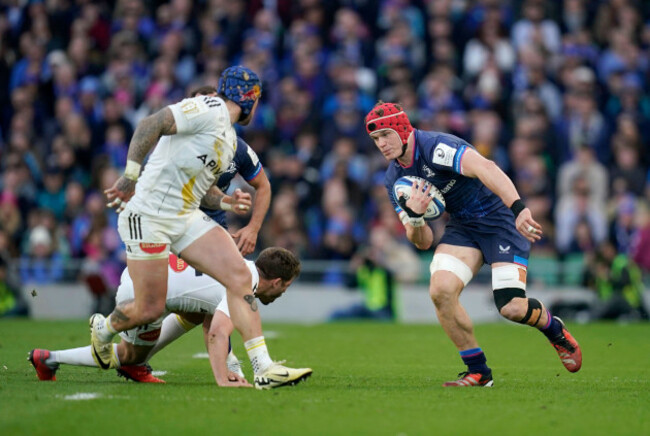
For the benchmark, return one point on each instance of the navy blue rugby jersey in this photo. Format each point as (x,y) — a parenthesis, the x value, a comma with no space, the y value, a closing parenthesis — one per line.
(438,159)
(247,164)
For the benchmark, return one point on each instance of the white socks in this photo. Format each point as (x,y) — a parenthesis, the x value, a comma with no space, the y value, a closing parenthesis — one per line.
(81,356)
(105,331)
(258,354)
(173,327)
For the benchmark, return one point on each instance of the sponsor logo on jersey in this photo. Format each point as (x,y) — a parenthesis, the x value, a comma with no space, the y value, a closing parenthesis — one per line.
(152,248)
(232,168)
(504,250)
(150,336)
(189,108)
(177,264)
(448,186)
(428,171)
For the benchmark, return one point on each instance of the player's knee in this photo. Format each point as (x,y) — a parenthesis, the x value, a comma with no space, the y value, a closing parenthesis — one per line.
(449,275)
(508,302)
(442,291)
(239,280)
(514,310)
(509,284)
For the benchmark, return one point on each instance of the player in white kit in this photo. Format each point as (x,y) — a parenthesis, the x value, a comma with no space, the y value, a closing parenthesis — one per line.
(192,298)
(159,212)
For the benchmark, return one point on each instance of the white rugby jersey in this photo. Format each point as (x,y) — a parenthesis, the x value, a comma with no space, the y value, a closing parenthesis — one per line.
(185,165)
(187,290)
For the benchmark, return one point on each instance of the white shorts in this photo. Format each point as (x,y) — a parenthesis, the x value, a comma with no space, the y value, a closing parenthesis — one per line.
(151,237)
(200,295)
(145,335)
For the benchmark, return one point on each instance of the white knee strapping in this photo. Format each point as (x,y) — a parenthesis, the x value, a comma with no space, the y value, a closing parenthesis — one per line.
(509,276)
(447,262)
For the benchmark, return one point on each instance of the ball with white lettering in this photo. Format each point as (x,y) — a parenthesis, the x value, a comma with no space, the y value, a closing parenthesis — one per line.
(403,188)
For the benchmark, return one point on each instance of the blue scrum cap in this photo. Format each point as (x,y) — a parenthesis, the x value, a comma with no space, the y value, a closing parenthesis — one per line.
(242,86)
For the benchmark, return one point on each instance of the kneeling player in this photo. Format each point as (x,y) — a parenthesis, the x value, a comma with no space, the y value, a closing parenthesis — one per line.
(194,298)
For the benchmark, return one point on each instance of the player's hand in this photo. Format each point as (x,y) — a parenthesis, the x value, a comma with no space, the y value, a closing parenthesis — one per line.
(234,381)
(528,227)
(120,193)
(241,202)
(246,238)
(417,204)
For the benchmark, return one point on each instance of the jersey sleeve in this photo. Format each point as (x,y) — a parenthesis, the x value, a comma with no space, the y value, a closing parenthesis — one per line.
(249,164)
(447,155)
(199,114)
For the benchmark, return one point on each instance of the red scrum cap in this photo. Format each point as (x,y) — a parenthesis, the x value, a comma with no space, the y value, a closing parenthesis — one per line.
(389,116)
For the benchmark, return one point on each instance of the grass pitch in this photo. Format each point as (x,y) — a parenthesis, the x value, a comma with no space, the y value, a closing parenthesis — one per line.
(369,379)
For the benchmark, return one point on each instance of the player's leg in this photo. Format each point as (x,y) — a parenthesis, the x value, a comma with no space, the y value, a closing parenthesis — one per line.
(150,290)
(147,253)
(509,287)
(216,254)
(173,327)
(451,269)
(46,362)
(210,249)
(135,346)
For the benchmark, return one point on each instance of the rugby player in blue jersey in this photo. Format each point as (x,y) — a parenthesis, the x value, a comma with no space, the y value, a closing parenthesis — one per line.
(489,224)
(248,165)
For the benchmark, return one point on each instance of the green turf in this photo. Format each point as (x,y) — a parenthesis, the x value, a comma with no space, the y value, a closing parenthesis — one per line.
(374,379)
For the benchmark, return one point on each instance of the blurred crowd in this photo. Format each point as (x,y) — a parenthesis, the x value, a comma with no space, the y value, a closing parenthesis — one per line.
(555,92)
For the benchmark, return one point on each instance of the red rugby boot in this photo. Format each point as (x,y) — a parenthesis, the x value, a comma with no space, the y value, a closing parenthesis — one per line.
(138,373)
(468,379)
(37,358)
(568,349)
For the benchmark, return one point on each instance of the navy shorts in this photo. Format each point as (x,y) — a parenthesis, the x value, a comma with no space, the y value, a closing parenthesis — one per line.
(494,235)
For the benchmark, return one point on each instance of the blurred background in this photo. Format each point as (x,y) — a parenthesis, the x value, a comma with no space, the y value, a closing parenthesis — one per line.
(555,92)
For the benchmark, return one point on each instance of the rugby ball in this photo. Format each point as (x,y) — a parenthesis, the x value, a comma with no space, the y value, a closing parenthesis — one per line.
(403,188)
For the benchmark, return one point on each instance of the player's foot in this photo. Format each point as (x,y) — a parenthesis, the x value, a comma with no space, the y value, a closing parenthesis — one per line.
(234,364)
(138,373)
(568,349)
(467,379)
(44,371)
(103,352)
(279,375)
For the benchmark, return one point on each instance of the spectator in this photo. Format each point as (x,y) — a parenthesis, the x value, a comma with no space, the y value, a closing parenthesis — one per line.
(377,269)
(535,29)
(641,240)
(11,301)
(41,264)
(617,281)
(580,209)
(584,164)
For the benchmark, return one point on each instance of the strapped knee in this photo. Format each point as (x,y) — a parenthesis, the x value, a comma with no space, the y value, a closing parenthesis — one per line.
(504,296)
(447,262)
(533,314)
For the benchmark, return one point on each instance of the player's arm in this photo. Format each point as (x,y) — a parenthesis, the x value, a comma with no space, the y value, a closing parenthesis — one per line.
(216,331)
(246,237)
(417,231)
(146,135)
(240,202)
(476,166)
